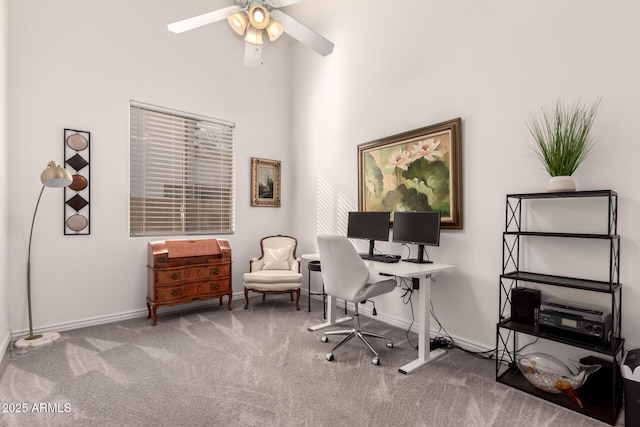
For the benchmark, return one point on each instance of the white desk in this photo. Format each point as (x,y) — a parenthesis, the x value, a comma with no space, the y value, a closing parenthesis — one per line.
(409,270)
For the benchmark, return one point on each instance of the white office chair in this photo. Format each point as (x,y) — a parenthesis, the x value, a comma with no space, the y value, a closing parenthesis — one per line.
(346,276)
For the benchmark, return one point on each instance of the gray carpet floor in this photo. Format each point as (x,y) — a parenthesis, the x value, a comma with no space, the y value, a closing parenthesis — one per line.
(255,367)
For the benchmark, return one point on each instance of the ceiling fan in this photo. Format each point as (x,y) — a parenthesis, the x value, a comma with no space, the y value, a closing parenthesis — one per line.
(250,18)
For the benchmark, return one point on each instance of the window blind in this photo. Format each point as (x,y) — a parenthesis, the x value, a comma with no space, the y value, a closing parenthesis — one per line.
(182,173)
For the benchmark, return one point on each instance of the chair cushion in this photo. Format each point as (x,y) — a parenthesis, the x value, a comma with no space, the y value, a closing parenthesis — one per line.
(272,286)
(277,258)
(273,280)
(272,276)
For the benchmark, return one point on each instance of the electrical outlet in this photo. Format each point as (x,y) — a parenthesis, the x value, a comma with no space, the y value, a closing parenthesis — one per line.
(416,283)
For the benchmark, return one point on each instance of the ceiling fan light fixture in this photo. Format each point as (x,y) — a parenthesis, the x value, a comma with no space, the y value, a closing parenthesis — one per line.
(274,30)
(254,36)
(238,21)
(259,16)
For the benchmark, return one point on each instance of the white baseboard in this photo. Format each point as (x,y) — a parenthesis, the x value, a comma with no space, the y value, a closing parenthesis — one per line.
(402,324)
(133,314)
(5,334)
(5,337)
(83,323)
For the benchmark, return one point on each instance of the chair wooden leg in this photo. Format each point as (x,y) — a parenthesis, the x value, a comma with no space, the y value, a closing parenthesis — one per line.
(291,293)
(297,298)
(246,298)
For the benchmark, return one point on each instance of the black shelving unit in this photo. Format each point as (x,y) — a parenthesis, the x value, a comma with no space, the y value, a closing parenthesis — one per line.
(507,330)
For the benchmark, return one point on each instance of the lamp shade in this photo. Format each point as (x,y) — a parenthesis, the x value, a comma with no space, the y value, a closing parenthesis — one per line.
(55,176)
(274,30)
(238,22)
(259,17)
(254,36)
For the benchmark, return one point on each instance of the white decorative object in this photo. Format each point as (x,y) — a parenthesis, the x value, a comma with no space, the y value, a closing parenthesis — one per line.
(561,183)
(44,339)
(551,375)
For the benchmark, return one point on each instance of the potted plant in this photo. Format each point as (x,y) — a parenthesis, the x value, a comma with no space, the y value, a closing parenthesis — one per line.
(563,140)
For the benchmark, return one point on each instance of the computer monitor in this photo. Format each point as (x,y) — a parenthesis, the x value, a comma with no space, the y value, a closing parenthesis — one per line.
(420,228)
(371,226)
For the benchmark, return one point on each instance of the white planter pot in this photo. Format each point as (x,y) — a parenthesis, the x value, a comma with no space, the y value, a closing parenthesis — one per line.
(561,183)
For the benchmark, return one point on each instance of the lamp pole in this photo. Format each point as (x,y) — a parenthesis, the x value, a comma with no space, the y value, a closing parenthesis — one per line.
(52,176)
(31,335)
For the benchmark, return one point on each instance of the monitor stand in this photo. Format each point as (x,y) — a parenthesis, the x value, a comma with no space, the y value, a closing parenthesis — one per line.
(371,247)
(420,259)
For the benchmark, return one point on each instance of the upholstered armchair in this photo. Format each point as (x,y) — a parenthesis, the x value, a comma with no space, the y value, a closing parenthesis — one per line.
(277,271)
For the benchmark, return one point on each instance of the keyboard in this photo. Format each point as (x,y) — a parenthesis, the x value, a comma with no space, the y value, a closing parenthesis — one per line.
(381,258)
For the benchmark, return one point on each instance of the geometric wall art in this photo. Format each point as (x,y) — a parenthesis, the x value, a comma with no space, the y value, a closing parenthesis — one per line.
(77,195)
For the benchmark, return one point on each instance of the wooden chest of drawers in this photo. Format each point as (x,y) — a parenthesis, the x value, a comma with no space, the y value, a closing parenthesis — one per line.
(182,271)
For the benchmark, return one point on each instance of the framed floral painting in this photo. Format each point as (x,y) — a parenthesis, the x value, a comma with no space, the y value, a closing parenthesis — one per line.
(418,170)
(265,182)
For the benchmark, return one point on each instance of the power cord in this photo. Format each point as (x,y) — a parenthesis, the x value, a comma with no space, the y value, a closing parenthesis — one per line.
(449,342)
(406,299)
(445,341)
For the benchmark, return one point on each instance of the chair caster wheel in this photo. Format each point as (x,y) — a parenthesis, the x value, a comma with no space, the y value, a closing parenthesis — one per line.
(329,357)
(375,361)
(389,344)
(325,338)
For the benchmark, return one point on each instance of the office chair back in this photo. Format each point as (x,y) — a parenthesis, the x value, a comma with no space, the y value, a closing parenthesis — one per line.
(346,276)
(344,273)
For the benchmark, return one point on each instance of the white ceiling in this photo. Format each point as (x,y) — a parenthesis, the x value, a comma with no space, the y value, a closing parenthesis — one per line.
(313,12)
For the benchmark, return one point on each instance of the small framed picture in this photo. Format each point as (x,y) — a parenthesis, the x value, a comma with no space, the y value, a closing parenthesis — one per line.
(265,182)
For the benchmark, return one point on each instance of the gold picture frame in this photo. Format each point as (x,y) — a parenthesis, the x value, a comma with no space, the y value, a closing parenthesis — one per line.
(265,182)
(418,170)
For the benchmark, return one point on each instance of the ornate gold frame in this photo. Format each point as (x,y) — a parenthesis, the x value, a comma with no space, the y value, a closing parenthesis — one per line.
(415,170)
(265,182)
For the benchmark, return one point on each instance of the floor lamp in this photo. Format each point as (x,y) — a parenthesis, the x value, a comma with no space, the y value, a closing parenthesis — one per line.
(52,176)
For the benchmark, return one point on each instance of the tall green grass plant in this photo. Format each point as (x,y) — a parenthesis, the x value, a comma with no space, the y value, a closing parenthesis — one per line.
(563,136)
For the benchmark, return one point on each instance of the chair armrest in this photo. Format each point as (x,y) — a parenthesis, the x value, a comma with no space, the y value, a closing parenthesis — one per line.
(256,264)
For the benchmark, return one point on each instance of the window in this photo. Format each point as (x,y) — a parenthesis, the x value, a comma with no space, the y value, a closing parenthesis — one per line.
(182,170)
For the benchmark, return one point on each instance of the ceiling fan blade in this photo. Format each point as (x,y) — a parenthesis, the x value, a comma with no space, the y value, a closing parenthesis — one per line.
(306,35)
(285,3)
(200,20)
(252,54)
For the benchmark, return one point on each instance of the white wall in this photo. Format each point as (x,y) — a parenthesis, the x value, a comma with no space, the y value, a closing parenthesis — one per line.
(76,64)
(402,65)
(396,66)
(4,248)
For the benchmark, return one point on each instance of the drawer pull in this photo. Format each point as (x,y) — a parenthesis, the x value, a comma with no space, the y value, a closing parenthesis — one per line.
(216,287)
(216,271)
(174,276)
(174,293)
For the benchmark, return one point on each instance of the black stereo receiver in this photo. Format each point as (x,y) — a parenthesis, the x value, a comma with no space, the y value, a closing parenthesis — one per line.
(584,323)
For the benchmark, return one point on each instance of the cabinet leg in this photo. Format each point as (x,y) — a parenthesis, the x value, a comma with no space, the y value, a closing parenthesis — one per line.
(154,310)
(229,303)
(148,310)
